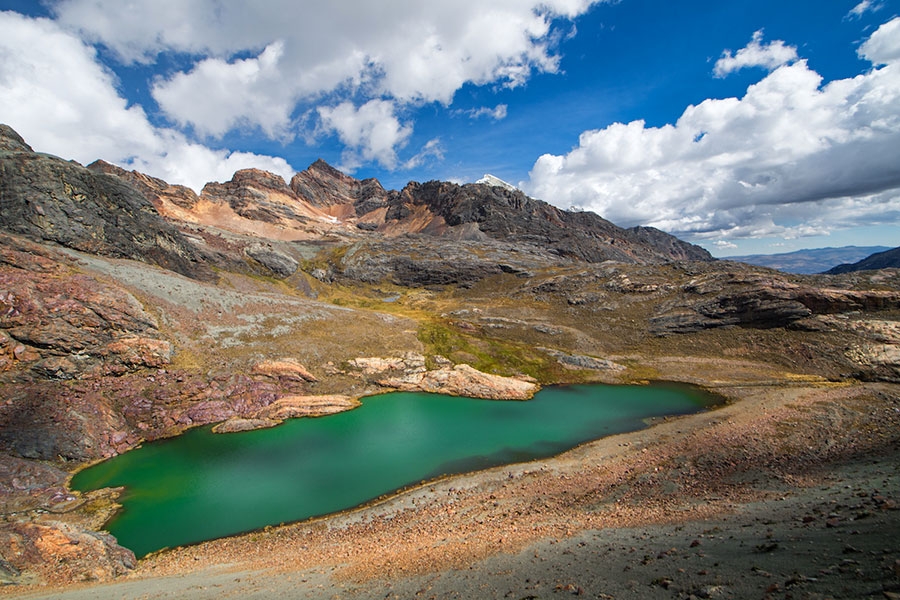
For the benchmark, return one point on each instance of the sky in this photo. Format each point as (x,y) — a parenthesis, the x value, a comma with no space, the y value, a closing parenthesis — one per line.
(744,126)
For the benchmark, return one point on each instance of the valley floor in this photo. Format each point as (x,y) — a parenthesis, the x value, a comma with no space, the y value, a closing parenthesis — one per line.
(791,490)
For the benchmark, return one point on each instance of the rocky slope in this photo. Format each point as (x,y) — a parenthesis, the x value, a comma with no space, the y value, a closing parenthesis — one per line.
(131,309)
(50,199)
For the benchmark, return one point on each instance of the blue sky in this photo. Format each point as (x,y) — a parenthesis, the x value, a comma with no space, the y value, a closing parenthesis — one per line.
(744,126)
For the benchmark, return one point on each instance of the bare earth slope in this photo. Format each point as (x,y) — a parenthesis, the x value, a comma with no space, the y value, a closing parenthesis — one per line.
(257,301)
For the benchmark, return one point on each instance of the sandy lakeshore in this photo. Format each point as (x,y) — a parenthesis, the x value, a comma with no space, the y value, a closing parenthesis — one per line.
(791,490)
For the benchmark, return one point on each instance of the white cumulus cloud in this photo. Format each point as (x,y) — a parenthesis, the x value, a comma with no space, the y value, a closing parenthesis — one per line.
(56,94)
(370,132)
(755,54)
(792,158)
(883,46)
(258,64)
(242,91)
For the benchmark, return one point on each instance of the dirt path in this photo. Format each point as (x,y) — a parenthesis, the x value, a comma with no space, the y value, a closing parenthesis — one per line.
(788,492)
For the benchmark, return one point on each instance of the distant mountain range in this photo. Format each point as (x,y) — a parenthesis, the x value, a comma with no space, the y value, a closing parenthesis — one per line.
(881,260)
(815,260)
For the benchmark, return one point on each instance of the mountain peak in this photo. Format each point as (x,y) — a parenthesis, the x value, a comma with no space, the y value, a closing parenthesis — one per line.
(493,181)
(11,141)
(261,178)
(325,168)
(323,185)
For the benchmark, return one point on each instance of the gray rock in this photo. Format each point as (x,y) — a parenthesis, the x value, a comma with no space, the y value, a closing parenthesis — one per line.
(579,361)
(278,263)
(47,198)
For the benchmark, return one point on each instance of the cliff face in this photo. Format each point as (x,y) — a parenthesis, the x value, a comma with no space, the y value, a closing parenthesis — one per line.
(157,191)
(47,198)
(324,186)
(259,195)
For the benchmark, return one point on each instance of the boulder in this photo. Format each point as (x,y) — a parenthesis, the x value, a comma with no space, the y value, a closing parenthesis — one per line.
(293,406)
(285,368)
(463,380)
(280,264)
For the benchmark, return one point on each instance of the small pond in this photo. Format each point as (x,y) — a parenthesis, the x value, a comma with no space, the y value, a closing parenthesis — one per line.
(201,485)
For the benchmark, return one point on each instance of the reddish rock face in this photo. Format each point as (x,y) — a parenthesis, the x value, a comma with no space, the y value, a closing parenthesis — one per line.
(322,185)
(261,196)
(56,323)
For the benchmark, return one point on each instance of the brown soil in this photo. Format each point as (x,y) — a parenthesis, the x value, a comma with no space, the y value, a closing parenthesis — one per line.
(791,490)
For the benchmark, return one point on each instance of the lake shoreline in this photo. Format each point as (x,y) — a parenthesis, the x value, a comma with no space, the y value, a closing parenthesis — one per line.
(783,445)
(207,486)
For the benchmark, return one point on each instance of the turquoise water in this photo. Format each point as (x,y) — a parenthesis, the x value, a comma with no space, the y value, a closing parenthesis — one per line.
(201,485)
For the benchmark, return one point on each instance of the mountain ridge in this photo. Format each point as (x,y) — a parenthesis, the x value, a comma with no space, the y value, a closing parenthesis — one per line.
(319,200)
(880,260)
(809,261)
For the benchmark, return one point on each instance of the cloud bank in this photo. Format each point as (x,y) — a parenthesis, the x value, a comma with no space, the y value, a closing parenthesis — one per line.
(354,64)
(57,95)
(347,70)
(791,158)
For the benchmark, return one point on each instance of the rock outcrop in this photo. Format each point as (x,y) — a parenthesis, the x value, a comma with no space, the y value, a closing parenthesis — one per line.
(259,195)
(877,353)
(283,369)
(507,215)
(50,199)
(63,552)
(294,406)
(580,361)
(463,380)
(56,323)
(289,407)
(280,264)
(759,302)
(419,261)
(409,373)
(324,186)
(157,191)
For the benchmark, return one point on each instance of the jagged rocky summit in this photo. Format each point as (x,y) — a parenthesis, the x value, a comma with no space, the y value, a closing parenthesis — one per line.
(485,228)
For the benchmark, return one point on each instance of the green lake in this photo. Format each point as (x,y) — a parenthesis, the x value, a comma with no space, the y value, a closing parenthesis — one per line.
(200,485)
